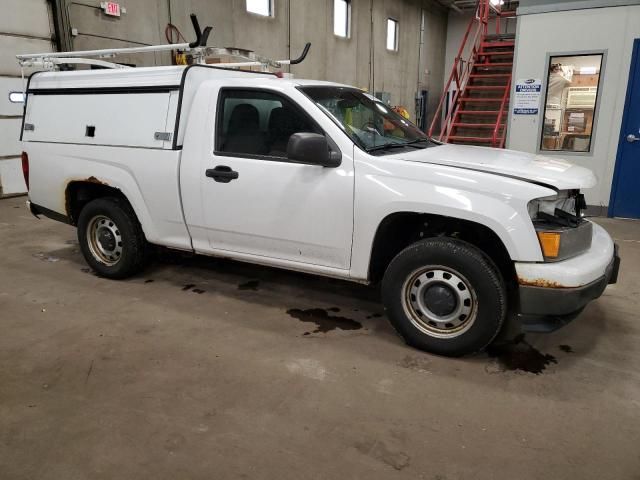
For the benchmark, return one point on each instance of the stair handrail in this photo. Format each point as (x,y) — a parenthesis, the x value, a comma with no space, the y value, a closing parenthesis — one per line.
(496,129)
(462,68)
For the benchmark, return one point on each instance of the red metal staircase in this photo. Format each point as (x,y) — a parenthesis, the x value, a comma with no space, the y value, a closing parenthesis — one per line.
(474,106)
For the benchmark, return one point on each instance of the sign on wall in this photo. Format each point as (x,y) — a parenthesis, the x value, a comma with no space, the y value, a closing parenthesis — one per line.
(527,96)
(112,9)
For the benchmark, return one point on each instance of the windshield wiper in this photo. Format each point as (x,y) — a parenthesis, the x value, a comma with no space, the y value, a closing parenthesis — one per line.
(418,140)
(391,145)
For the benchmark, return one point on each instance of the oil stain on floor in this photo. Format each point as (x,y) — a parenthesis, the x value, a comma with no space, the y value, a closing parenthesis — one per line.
(250,285)
(323,321)
(518,354)
(191,287)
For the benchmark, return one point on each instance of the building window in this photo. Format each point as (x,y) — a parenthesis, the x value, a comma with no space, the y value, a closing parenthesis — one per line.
(392,34)
(342,18)
(573,85)
(260,7)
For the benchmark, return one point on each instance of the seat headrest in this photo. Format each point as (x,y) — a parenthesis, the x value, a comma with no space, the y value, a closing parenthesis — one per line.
(282,121)
(244,117)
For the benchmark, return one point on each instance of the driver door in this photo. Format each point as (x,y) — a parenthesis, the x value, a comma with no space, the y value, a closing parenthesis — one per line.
(258,204)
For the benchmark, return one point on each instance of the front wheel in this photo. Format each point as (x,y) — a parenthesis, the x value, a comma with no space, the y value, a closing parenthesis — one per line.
(444,296)
(111,239)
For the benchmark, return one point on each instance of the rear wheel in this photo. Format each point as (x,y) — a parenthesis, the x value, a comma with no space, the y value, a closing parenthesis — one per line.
(111,238)
(444,296)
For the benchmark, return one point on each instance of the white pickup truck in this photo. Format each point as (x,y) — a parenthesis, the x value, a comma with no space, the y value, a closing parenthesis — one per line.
(316,177)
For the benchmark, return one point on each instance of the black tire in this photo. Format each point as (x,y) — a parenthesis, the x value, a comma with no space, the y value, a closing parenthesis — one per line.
(114,218)
(474,286)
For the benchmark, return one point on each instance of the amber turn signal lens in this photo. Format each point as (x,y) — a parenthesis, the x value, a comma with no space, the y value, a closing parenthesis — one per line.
(550,243)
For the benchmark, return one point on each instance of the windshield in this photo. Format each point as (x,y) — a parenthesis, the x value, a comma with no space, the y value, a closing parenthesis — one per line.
(371,124)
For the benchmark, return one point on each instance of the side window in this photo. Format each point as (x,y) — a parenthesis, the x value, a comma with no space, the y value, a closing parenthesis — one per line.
(253,122)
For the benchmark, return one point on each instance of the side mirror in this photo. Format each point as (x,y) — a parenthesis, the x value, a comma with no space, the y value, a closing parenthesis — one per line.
(312,148)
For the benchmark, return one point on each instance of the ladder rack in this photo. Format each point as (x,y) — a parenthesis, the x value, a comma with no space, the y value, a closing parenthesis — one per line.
(197,49)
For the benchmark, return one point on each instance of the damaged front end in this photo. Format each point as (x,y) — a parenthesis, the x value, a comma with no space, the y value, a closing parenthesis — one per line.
(559,222)
(579,261)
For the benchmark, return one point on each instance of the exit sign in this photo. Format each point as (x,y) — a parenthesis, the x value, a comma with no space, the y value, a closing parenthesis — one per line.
(111,8)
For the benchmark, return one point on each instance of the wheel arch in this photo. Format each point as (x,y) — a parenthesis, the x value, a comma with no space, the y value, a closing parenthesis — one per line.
(78,193)
(398,230)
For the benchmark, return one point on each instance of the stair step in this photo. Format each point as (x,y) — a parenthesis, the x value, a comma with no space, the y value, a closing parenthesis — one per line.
(485,87)
(497,44)
(492,69)
(489,75)
(481,112)
(500,36)
(495,54)
(476,125)
(508,13)
(494,64)
(481,100)
(470,139)
(488,82)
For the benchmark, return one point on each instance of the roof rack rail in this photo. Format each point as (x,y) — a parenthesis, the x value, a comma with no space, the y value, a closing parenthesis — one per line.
(197,49)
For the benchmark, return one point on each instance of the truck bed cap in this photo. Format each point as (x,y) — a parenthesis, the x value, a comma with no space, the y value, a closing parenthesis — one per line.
(168,76)
(130,77)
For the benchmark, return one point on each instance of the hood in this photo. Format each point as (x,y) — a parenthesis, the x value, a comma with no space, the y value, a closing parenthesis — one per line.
(556,172)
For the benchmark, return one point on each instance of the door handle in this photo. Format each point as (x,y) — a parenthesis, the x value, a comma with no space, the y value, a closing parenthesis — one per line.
(222,174)
(632,138)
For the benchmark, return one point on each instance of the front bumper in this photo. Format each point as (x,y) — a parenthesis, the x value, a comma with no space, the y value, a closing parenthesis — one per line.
(564,288)
(564,301)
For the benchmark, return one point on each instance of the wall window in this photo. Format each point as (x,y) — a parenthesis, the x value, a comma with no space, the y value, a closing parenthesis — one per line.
(342,18)
(573,84)
(260,7)
(252,122)
(392,34)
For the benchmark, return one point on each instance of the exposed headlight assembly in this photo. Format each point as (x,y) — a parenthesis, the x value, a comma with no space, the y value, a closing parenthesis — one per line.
(565,208)
(561,230)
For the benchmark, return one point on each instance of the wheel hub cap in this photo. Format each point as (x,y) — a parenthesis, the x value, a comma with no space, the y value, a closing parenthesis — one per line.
(104,239)
(440,301)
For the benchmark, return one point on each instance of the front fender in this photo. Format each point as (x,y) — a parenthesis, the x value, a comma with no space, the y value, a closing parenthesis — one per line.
(391,186)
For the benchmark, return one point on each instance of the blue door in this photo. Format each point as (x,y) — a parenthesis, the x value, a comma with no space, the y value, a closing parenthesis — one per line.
(625,195)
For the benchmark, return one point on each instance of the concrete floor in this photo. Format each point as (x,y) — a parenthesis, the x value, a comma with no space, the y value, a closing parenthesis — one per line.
(195,370)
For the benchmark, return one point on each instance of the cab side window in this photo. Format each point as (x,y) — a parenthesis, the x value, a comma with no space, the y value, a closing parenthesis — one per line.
(253,122)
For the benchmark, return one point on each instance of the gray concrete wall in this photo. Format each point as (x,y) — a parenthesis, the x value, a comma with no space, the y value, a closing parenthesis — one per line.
(361,60)
(432,67)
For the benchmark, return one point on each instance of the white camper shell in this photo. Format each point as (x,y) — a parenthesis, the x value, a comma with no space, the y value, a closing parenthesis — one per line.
(138,107)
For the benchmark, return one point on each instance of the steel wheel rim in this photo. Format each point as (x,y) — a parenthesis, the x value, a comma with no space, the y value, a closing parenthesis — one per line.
(419,306)
(105,240)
